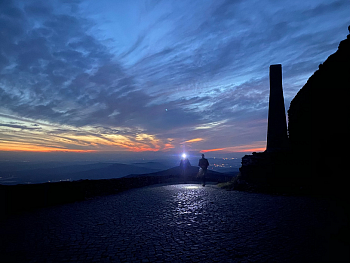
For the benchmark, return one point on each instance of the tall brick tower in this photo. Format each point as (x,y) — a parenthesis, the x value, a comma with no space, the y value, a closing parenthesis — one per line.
(277,139)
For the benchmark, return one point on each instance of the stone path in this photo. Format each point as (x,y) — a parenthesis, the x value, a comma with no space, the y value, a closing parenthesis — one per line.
(177,223)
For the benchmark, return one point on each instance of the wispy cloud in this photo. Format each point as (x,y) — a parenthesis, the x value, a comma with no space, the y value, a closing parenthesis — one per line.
(148,76)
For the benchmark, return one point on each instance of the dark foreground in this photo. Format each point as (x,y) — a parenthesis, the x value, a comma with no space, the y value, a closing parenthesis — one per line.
(176,223)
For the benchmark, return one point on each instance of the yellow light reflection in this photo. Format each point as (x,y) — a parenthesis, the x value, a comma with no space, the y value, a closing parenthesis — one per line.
(192,187)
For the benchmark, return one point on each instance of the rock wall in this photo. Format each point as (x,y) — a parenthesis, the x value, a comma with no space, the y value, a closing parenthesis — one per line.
(318,137)
(16,199)
(319,117)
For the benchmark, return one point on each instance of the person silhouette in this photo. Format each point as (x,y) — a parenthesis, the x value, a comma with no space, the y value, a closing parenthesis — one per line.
(203,164)
(184,165)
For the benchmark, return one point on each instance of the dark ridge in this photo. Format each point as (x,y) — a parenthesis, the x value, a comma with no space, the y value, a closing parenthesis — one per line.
(191,173)
(16,199)
(318,122)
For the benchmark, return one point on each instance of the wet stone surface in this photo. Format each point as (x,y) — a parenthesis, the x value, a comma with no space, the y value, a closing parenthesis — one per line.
(178,223)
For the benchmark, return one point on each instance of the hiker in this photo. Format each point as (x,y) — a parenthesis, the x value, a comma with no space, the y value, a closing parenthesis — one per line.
(203,164)
(184,166)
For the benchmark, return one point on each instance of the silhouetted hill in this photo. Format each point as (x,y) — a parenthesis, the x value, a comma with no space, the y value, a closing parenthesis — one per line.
(10,166)
(190,174)
(152,165)
(318,119)
(172,171)
(69,169)
(116,170)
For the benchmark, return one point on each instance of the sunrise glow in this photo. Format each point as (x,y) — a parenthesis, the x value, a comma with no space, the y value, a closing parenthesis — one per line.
(85,76)
(257,147)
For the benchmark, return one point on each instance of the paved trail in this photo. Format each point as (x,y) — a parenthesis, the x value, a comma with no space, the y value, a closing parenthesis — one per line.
(177,223)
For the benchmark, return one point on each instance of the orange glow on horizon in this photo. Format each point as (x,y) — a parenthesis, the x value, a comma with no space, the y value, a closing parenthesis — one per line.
(212,150)
(244,148)
(33,148)
(255,150)
(168,146)
(27,147)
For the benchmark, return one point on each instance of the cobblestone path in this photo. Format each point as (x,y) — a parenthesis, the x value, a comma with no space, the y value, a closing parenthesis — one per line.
(177,223)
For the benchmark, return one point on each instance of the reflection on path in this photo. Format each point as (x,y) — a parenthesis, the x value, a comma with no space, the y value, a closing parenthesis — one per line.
(191,201)
(179,223)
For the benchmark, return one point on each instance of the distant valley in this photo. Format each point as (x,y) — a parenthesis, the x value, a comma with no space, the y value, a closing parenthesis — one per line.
(12,173)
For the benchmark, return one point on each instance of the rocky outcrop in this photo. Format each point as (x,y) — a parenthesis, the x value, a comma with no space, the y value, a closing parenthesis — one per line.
(318,118)
(318,129)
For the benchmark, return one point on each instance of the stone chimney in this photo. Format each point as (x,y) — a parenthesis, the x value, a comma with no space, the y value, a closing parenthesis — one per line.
(277,139)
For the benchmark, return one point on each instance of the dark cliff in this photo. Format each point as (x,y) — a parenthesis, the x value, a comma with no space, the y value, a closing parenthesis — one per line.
(318,118)
(316,161)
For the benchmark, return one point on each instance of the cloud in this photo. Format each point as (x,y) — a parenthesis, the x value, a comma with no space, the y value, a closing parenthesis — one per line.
(165,73)
(19,126)
(62,66)
(194,140)
(46,69)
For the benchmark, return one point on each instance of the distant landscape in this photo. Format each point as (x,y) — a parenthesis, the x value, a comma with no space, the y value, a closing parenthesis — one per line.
(16,172)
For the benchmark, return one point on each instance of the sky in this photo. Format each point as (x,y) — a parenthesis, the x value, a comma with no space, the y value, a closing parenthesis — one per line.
(85,76)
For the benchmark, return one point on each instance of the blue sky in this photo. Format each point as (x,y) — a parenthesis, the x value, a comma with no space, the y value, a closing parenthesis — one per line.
(154,76)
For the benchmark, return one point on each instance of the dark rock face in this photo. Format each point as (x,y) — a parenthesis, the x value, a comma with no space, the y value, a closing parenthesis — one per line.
(318,129)
(318,117)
